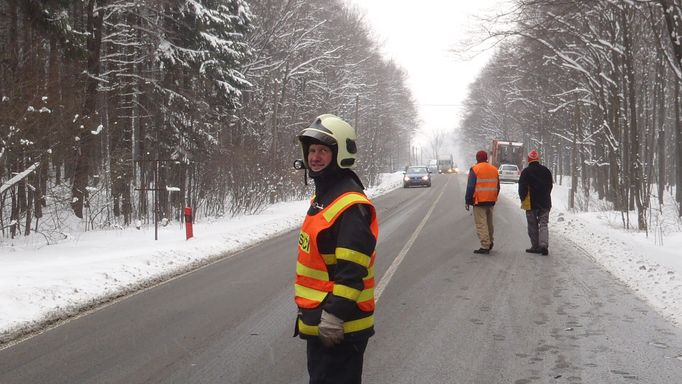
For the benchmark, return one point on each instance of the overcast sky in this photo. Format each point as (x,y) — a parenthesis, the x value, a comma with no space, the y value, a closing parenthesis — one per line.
(419,35)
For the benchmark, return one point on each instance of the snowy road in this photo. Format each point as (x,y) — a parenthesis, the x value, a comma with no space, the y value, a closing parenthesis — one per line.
(445,316)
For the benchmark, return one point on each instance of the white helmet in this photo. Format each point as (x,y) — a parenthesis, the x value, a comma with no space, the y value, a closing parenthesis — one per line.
(333,132)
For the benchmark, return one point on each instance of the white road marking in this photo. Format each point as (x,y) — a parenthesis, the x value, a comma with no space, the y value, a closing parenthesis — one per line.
(386,278)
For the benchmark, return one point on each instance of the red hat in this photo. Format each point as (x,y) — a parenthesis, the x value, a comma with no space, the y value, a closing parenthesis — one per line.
(533,156)
(481,156)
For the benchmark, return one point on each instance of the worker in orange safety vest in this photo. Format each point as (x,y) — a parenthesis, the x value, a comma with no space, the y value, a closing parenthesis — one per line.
(483,187)
(334,288)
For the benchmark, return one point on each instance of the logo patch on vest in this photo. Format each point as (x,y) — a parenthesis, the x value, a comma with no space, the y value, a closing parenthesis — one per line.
(304,242)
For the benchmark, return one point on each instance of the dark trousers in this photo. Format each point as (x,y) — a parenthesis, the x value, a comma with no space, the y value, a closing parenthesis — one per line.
(340,364)
(537,227)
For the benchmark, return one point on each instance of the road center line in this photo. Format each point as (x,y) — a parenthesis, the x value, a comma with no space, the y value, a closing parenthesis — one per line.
(386,278)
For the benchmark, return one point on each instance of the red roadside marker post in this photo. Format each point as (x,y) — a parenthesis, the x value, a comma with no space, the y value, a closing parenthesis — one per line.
(188,223)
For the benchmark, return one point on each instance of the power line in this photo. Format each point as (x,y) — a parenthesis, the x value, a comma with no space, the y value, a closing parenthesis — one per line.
(441,105)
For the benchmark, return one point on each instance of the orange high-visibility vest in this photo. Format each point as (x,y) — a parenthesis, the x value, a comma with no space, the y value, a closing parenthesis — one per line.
(486,183)
(312,277)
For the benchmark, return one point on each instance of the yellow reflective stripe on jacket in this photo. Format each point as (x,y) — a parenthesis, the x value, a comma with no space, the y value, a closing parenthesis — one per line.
(309,293)
(312,330)
(366,295)
(343,203)
(353,256)
(310,272)
(329,258)
(358,325)
(346,292)
(348,326)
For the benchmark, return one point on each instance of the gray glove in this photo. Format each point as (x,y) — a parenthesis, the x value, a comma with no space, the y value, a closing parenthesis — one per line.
(331,329)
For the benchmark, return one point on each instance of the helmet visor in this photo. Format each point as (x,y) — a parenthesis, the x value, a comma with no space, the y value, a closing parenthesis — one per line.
(321,134)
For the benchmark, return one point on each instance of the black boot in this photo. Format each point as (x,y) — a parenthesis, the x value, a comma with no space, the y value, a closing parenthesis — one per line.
(482,251)
(544,251)
(534,250)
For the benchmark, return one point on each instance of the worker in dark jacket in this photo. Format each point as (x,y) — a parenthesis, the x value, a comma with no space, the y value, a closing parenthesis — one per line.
(483,187)
(334,286)
(535,192)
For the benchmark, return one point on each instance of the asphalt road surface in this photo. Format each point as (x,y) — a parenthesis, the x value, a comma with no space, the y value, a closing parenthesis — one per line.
(444,314)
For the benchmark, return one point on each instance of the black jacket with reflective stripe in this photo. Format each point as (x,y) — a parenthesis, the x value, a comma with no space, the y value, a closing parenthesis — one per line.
(351,230)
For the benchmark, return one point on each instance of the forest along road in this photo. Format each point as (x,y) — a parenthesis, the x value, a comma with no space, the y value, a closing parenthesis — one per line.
(444,314)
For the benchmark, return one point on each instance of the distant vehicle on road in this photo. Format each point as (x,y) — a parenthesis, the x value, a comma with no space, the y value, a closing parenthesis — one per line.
(417,175)
(433,166)
(446,164)
(509,172)
(507,152)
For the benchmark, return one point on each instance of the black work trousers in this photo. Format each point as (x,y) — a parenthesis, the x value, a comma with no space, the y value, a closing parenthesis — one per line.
(340,364)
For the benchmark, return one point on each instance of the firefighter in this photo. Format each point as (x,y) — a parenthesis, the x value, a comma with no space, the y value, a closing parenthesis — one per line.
(334,288)
(483,187)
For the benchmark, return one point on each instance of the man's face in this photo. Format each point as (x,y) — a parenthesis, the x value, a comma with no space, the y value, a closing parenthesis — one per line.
(319,157)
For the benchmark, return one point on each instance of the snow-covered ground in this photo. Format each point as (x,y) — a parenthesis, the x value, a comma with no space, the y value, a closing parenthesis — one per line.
(39,283)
